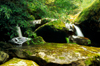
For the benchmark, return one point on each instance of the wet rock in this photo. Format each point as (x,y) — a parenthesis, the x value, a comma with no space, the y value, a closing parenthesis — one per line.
(3,57)
(54,31)
(59,53)
(94,62)
(5,45)
(19,62)
(19,40)
(22,41)
(89,22)
(36,40)
(80,40)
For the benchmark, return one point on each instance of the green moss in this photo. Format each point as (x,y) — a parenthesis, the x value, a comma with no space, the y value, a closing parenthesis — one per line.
(36,40)
(88,61)
(60,45)
(15,61)
(57,24)
(89,41)
(54,24)
(76,51)
(62,58)
(89,11)
(29,52)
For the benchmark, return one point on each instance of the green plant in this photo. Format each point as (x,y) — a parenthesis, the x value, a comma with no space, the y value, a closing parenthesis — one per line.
(67,39)
(13,12)
(88,61)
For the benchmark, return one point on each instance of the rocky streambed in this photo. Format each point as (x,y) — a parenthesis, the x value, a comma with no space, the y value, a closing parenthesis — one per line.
(48,54)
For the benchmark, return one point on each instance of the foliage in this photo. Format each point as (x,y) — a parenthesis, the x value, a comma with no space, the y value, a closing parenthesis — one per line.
(82,3)
(95,61)
(89,11)
(30,33)
(88,61)
(36,40)
(13,12)
(67,39)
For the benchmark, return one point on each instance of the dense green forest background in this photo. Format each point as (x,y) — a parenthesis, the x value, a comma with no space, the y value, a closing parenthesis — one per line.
(13,12)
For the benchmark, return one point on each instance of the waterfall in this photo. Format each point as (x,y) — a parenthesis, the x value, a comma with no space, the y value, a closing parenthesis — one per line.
(68,26)
(20,39)
(71,27)
(19,31)
(78,31)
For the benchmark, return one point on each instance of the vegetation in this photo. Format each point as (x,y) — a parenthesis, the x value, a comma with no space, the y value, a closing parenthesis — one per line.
(13,12)
(90,11)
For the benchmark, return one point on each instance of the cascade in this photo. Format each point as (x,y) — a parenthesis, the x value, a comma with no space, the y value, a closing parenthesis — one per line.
(78,31)
(68,26)
(19,31)
(20,39)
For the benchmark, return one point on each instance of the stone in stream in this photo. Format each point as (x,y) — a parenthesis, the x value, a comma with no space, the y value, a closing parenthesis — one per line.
(20,62)
(19,40)
(3,57)
(58,53)
(80,40)
(4,53)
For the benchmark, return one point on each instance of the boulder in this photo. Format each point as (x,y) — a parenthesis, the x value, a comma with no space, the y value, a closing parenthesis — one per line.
(4,46)
(54,31)
(36,40)
(80,40)
(34,24)
(19,40)
(3,57)
(57,53)
(19,62)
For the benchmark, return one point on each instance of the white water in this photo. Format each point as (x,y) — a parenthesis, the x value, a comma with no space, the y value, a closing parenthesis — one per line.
(71,28)
(68,26)
(19,31)
(78,31)
(20,39)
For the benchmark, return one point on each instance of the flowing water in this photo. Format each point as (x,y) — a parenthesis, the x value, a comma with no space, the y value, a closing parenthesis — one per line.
(19,31)
(78,31)
(20,39)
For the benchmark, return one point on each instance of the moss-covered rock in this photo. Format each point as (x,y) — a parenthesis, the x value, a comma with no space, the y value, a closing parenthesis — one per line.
(60,53)
(3,57)
(34,24)
(5,54)
(19,62)
(36,40)
(89,22)
(80,40)
(54,31)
